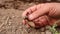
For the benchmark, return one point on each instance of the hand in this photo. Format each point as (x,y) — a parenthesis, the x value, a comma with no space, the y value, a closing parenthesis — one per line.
(37,11)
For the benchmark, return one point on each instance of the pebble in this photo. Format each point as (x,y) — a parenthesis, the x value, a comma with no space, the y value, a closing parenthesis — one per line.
(10,23)
(48,32)
(42,32)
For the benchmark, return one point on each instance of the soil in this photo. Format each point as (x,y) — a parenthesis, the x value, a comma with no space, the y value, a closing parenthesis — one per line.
(11,20)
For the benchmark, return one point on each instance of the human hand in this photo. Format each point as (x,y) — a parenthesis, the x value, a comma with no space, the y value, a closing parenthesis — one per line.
(37,11)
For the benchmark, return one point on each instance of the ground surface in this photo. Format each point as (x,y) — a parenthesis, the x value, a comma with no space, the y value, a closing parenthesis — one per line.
(10,17)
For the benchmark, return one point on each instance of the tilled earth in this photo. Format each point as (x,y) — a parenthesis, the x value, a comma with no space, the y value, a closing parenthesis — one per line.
(11,20)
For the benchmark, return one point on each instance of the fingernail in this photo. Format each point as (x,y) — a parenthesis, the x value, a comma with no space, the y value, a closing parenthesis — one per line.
(30,17)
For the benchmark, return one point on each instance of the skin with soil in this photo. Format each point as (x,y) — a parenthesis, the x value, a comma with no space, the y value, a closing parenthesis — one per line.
(11,20)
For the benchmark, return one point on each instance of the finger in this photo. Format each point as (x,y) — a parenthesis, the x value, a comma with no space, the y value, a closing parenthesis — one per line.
(38,22)
(25,21)
(43,10)
(29,10)
(41,21)
(27,25)
(33,8)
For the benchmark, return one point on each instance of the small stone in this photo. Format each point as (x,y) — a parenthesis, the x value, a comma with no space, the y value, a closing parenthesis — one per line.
(42,32)
(10,23)
(13,16)
(31,24)
(20,27)
(48,32)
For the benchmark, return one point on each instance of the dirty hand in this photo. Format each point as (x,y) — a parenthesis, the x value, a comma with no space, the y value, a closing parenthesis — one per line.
(42,13)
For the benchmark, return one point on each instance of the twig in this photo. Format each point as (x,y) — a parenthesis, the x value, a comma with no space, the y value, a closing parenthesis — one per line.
(1,25)
(7,19)
(5,22)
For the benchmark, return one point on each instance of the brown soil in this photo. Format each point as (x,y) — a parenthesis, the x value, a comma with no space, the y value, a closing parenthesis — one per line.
(10,17)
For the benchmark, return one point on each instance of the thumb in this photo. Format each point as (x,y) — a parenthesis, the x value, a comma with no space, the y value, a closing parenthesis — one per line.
(38,13)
